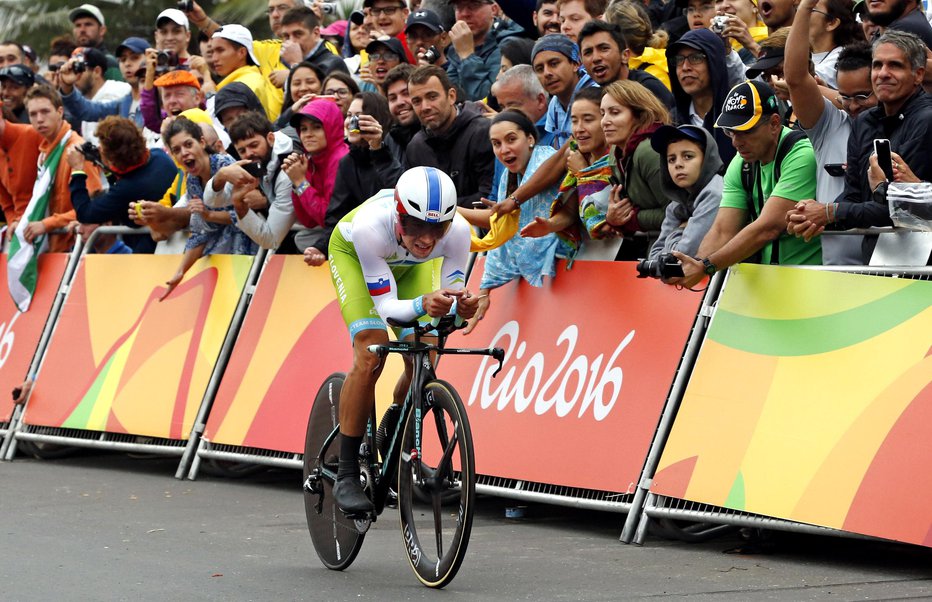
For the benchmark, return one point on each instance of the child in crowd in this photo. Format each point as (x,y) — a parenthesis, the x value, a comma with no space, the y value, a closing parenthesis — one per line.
(693,184)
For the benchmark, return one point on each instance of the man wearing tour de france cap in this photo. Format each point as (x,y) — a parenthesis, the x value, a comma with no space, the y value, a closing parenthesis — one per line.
(232,57)
(752,194)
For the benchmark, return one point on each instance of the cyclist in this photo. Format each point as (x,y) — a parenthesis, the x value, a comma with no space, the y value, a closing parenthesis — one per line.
(382,266)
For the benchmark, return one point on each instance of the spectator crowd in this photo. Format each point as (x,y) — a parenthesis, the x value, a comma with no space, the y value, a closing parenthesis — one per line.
(699,133)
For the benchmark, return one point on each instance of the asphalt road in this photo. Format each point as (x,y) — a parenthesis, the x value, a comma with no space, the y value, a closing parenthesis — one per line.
(112,527)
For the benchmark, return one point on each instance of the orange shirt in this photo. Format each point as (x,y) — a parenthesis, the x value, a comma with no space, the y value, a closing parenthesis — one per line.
(19,153)
(61,212)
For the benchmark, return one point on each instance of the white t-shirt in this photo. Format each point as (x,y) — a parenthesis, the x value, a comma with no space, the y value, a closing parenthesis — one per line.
(111,90)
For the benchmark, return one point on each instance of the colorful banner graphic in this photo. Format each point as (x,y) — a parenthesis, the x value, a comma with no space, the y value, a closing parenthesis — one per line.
(811,401)
(135,365)
(293,337)
(589,359)
(20,333)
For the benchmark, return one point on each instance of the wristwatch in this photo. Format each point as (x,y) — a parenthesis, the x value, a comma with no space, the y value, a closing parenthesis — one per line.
(708,267)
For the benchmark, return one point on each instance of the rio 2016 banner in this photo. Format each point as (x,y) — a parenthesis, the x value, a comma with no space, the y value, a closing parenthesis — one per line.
(589,359)
(811,401)
(20,332)
(123,362)
(293,337)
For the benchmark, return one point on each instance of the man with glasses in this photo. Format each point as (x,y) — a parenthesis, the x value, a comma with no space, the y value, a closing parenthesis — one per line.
(476,59)
(301,41)
(383,56)
(700,78)
(903,116)
(387,19)
(774,170)
(828,121)
(15,81)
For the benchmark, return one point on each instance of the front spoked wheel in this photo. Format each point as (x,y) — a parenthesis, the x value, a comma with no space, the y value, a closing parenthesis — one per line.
(336,538)
(435,537)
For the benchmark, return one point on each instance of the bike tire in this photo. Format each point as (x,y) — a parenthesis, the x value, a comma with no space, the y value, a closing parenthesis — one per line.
(335,537)
(436,539)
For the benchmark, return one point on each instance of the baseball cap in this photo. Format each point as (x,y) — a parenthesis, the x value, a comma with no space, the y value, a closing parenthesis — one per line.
(87,10)
(238,35)
(393,44)
(175,15)
(178,77)
(665,134)
(427,18)
(337,28)
(30,53)
(556,42)
(134,45)
(767,59)
(197,116)
(357,17)
(19,74)
(746,104)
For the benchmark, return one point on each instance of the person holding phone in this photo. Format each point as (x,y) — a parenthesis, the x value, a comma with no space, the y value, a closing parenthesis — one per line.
(903,116)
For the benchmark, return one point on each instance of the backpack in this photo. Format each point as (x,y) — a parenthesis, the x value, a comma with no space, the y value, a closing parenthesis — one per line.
(750,173)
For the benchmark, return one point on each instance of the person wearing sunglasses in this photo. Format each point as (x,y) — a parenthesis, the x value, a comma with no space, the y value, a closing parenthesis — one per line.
(382,263)
(15,81)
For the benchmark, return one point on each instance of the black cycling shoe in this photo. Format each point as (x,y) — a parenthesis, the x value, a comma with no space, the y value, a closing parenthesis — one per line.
(350,498)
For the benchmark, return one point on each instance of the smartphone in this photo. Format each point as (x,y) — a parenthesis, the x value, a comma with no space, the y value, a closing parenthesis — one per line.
(836,170)
(884,159)
(254,169)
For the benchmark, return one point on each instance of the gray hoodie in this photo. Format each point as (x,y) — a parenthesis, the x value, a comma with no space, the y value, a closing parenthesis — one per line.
(697,209)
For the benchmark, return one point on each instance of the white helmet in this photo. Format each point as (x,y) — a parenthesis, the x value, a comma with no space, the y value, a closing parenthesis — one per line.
(426,193)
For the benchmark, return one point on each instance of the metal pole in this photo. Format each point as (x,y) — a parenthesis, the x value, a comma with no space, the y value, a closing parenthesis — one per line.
(223,358)
(673,402)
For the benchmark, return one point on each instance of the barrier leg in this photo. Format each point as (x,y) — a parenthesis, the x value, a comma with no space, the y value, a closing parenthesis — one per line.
(669,411)
(200,422)
(8,445)
(196,460)
(643,521)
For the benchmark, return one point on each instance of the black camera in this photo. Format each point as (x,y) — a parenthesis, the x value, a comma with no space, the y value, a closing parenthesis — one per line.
(91,152)
(78,64)
(185,6)
(165,61)
(432,55)
(665,266)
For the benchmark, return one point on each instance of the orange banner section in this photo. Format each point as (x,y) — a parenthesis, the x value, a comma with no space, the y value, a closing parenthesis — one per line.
(121,361)
(293,337)
(20,333)
(589,360)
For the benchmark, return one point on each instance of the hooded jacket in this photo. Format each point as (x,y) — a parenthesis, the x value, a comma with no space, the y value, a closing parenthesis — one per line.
(269,96)
(463,151)
(712,46)
(698,209)
(310,207)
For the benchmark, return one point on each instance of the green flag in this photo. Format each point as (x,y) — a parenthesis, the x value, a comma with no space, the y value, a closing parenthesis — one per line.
(22,256)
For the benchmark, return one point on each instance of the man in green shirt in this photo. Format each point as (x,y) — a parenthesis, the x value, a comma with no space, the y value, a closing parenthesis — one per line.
(755,200)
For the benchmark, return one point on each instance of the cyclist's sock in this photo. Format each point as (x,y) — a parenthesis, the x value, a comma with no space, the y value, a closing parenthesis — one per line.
(349,457)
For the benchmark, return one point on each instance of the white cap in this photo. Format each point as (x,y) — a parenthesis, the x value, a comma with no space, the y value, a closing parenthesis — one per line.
(173,14)
(87,10)
(240,35)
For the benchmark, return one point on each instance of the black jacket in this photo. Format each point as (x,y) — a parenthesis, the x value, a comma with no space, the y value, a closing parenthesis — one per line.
(360,175)
(463,152)
(712,46)
(326,60)
(909,132)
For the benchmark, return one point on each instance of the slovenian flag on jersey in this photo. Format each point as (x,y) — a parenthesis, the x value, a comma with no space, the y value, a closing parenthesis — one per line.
(379,287)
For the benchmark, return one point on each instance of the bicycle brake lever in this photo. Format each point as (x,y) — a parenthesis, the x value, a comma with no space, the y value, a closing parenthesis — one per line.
(499,354)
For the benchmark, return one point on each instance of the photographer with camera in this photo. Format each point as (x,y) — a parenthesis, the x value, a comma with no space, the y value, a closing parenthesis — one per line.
(131,55)
(84,71)
(692,182)
(139,174)
(427,38)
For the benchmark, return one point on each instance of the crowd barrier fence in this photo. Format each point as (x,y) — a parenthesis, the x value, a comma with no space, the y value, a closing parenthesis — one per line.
(826,430)
(598,364)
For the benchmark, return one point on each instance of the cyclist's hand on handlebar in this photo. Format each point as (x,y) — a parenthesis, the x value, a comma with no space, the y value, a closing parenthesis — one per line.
(438,303)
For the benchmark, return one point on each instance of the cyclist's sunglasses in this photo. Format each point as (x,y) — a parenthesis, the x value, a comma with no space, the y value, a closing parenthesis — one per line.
(412,226)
